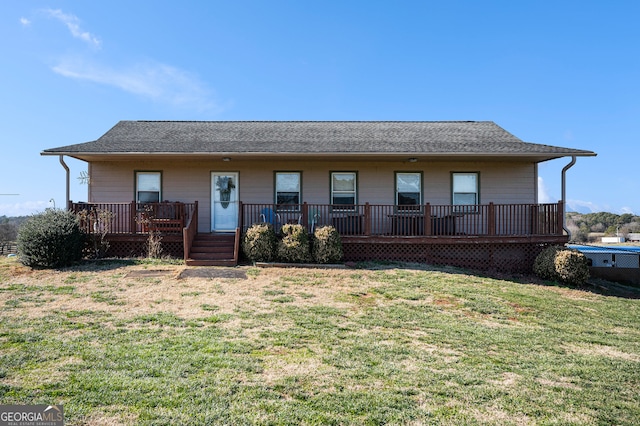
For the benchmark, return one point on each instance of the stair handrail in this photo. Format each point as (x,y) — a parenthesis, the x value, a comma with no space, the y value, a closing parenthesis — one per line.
(236,248)
(189,232)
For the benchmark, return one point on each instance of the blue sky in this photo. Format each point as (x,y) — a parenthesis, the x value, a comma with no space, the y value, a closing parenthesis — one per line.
(563,73)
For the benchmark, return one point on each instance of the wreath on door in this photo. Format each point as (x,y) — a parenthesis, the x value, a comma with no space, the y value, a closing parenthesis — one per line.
(225,185)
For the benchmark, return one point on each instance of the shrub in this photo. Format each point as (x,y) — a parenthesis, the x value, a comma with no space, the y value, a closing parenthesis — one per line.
(572,267)
(544,265)
(99,220)
(259,243)
(327,246)
(50,239)
(558,263)
(295,245)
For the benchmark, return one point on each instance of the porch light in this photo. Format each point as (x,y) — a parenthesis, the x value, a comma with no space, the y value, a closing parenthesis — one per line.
(226,159)
(413,159)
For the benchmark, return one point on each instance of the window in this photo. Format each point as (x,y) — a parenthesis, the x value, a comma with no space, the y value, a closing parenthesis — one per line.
(465,192)
(409,189)
(343,189)
(287,190)
(148,187)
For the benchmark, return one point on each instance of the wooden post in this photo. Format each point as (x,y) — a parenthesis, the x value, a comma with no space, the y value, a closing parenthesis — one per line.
(305,215)
(367,219)
(535,219)
(132,217)
(491,225)
(240,215)
(560,218)
(427,219)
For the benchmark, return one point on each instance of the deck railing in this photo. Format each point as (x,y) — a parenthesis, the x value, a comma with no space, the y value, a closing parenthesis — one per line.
(134,218)
(422,220)
(350,220)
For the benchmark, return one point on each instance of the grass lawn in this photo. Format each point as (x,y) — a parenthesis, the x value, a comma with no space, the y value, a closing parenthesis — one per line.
(140,343)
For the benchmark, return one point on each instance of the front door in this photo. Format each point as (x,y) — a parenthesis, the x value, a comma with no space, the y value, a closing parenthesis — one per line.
(224,200)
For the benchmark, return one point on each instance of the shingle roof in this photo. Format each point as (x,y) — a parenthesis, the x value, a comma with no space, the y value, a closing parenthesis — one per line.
(312,137)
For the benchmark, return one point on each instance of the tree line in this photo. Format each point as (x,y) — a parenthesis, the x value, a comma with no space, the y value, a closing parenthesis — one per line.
(583,226)
(9,227)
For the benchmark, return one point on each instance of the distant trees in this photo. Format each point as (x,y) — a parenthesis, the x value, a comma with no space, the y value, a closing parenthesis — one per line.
(9,227)
(582,225)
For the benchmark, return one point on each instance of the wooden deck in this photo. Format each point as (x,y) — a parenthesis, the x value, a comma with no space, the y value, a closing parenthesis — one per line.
(497,237)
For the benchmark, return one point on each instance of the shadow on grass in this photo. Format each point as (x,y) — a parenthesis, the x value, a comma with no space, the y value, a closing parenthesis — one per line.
(116,263)
(594,285)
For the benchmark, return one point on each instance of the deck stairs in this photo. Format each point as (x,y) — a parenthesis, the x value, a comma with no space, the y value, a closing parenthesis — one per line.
(216,249)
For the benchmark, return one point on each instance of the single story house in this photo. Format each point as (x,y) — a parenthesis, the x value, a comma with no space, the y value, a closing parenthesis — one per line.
(449,192)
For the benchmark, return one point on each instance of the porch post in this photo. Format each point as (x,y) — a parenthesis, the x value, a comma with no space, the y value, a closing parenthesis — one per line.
(560,218)
(240,216)
(427,219)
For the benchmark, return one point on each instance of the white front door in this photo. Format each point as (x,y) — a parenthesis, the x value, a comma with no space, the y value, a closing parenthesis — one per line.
(224,201)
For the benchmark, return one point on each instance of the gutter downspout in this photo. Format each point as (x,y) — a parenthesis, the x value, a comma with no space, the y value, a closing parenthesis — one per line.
(564,195)
(68,185)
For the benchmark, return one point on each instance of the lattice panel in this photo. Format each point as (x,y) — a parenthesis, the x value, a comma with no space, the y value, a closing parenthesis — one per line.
(139,248)
(503,257)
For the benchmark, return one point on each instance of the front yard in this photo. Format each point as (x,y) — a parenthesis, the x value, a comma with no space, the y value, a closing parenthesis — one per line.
(143,343)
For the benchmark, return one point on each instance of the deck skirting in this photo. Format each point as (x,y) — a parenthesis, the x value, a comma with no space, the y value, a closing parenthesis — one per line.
(503,254)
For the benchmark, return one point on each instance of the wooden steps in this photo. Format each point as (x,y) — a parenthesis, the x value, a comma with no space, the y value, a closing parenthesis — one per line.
(213,250)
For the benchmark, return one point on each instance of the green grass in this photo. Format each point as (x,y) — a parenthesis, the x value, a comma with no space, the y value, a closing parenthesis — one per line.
(391,346)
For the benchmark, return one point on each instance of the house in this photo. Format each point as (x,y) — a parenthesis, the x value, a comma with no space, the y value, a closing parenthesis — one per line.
(461,193)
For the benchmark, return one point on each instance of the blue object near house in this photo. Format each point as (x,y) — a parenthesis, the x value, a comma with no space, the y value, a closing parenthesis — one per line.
(619,264)
(269,216)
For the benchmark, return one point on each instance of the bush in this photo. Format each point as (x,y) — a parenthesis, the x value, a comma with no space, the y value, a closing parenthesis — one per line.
(50,239)
(544,265)
(572,267)
(558,263)
(295,246)
(259,243)
(327,246)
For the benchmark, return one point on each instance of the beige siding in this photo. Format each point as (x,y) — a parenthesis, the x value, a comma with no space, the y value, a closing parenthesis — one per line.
(188,181)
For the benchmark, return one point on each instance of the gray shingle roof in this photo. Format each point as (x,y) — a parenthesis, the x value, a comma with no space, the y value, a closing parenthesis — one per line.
(452,138)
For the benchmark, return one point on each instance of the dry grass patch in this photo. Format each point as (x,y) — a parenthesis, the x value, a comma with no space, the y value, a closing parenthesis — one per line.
(603,351)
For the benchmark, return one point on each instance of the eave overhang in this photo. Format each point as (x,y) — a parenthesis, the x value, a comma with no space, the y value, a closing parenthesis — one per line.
(533,157)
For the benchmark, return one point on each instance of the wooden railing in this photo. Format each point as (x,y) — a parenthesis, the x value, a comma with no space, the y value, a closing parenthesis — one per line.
(189,232)
(134,218)
(350,220)
(422,220)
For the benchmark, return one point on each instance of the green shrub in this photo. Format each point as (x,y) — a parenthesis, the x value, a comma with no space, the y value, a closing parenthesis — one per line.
(327,246)
(558,263)
(572,267)
(50,239)
(544,265)
(259,243)
(294,246)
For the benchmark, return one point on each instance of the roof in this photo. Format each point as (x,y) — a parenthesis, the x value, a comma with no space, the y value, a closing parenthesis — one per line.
(361,139)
